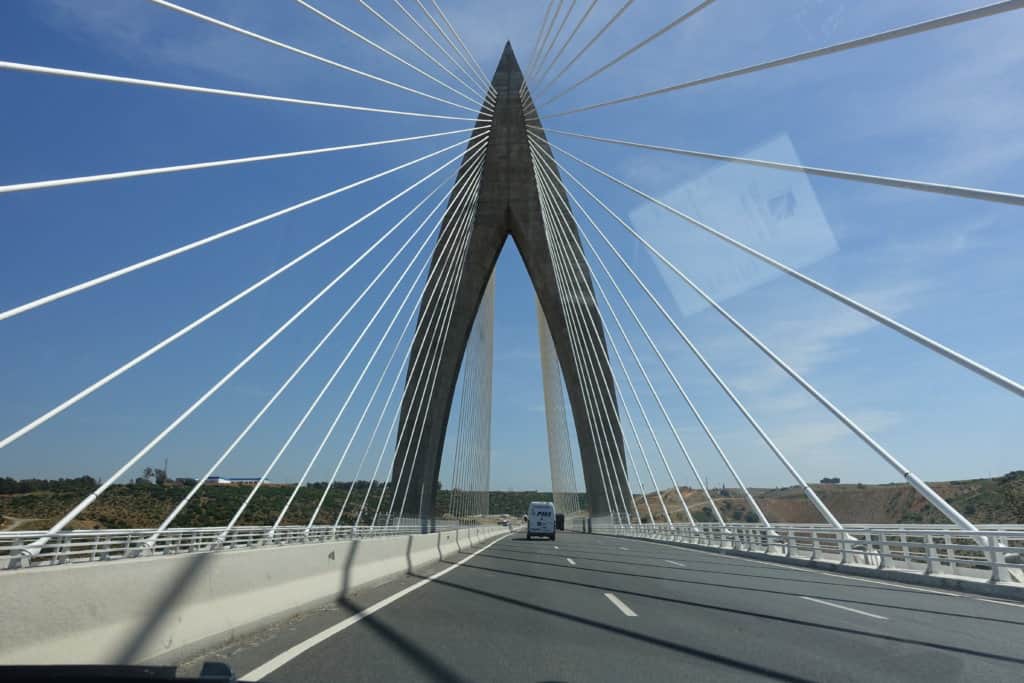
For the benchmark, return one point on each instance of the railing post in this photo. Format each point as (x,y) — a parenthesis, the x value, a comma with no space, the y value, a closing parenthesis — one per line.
(930,554)
(815,545)
(883,551)
(999,572)
(951,555)
(791,550)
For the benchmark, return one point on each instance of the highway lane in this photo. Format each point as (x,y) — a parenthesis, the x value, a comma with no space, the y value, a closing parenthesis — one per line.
(626,609)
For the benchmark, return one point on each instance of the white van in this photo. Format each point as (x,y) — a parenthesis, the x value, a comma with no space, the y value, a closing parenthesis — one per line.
(541,520)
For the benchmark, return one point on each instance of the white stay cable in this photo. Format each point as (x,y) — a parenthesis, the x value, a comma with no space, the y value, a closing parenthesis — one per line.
(554,409)
(468,401)
(327,17)
(892,34)
(457,464)
(469,55)
(927,342)
(473,388)
(382,18)
(1015,199)
(568,41)
(808,491)
(588,351)
(427,379)
(599,440)
(210,314)
(435,315)
(468,398)
(587,371)
(448,270)
(37,545)
(359,380)
(590,43)
(487,405)
(458,202)
(419,406)
(373,355)
(137,173)
(650,385)
(542,48)
(693,408)
(302,421)
(184,87)
(675,433)
(252,423)
(640,406)
(561,27)
(579,274)
(291,48)
(552,397)
(641,487)
(209,239)
(439,320)
(383,411)
(460,59)
(919,485)
(537,40)
(654,36)
(629,416)
(562,425)
(429,35)
(431,373)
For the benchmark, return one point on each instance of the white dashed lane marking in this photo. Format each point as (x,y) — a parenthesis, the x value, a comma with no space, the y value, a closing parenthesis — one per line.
(623,607)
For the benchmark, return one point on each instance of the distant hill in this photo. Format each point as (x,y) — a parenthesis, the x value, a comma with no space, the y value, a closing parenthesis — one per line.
(999,500)
(37,504)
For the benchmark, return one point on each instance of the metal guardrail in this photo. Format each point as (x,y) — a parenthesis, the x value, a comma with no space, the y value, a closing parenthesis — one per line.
(112,544)
(993,553)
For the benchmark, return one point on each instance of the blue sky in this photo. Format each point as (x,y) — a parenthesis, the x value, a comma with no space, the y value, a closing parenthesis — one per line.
(944,106)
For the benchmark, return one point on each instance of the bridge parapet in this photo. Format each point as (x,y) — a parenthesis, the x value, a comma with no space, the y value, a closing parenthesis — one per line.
(167,608)
(111,544)
(990,556)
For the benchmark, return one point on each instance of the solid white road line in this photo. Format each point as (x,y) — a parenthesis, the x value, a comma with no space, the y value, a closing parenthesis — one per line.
(571,561)
(1001,602)
(291,653)
(621,548)
(848,609)
(678,564)
(623,607)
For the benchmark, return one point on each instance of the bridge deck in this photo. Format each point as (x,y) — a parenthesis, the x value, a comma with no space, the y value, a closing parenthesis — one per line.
(521,611)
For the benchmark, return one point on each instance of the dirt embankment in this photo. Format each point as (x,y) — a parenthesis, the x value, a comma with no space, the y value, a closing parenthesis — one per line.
(999,500)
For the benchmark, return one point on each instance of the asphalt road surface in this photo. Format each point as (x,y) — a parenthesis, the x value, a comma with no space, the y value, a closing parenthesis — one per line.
(598,608)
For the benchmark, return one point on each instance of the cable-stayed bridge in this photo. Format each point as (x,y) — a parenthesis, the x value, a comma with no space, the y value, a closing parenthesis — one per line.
(655,574)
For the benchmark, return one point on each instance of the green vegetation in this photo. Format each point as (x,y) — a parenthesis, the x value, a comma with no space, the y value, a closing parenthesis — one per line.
(37,503)
(145,504)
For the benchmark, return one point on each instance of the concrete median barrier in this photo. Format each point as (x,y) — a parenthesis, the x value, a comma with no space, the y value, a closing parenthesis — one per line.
(161,609)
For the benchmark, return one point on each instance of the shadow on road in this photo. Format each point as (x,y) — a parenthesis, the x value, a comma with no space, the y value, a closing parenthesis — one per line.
(719,608)
(839,583)
(418,656)
(660,642)
(771,591)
